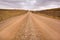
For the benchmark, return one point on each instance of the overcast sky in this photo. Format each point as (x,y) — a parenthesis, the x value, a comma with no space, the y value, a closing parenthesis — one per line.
(29,4)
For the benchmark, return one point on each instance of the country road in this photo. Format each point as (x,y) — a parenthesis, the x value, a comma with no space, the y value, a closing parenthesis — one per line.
(30,26)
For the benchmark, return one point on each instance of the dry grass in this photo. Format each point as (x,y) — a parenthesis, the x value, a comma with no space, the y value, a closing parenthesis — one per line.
(53,13)
(4,14)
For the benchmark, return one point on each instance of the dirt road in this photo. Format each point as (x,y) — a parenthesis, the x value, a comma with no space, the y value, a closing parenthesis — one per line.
(30,27)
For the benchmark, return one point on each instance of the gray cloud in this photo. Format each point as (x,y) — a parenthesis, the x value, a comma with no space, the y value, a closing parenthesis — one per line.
(30,4)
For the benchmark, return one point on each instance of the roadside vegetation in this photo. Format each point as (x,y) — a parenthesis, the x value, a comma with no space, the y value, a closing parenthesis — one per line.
(5,13)
(53,13)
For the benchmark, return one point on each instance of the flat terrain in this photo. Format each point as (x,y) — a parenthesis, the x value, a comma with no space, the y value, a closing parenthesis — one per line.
(52,13)
(30,26)
(6,13)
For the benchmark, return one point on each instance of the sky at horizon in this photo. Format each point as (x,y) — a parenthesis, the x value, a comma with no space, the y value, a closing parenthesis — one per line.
(29,4)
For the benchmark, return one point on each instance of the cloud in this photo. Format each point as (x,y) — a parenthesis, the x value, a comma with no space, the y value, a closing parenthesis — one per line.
(30,4)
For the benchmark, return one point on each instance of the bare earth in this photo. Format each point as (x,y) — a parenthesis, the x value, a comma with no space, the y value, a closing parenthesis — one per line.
(30,27)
